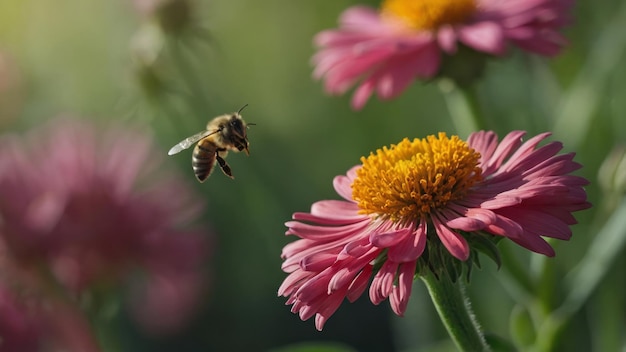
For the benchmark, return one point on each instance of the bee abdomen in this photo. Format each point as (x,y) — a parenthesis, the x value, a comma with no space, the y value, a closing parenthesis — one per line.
(202,162)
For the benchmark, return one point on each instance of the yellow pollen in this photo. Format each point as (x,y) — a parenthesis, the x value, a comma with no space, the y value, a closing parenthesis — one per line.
(412,178)
(429,14)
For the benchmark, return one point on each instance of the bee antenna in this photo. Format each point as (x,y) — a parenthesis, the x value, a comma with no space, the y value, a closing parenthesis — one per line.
(243,107)
(250,124)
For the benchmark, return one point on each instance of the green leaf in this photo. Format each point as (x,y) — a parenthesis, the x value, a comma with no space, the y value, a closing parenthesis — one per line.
(522,328)
(484,244)
(499,344)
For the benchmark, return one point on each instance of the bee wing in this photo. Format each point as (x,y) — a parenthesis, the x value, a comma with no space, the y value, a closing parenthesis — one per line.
(189,141)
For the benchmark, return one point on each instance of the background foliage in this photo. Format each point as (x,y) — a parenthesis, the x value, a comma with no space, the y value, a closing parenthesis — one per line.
(94,59)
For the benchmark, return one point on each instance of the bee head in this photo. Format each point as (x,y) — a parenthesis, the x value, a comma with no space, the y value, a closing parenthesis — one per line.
(235,131)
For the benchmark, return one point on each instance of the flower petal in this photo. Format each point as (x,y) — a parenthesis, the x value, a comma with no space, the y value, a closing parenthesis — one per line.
(401,293)
(411,247)
(359,284)
(453,241)
(483,36)
(388,239)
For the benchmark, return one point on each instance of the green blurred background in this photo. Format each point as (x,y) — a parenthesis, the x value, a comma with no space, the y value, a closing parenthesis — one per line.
(104,60)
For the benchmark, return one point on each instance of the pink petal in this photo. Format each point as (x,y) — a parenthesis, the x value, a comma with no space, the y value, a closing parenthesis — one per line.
(535,244)
(336,210)
(45,211)
(484,36)
(389,238)
(505,227)
(446,38)
(357,248)
(358,18)
(539,222)
(318,261)
(347,271)
(343,185)
(293,282)
(510,142)
(401,293)
(382,285)
(411,247)
(362,95)
(484,142)
(359,284)
(466,224)
(400,71)
(501,201)
(453,241)
(323,233)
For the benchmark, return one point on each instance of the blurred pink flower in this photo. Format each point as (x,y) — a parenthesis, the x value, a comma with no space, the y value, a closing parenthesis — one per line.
(437,192)
(386,50)
(19,330)
(33,321)
(97,207)
(42,325)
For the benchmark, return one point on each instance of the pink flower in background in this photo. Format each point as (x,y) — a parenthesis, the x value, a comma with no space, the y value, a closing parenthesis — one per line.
(98,208)
(31,320)
(42,325)
(437,191)
(385,50)
(20,331)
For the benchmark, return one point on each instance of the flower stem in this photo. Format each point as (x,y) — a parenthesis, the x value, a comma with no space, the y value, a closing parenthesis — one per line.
(455,312)
(463,107)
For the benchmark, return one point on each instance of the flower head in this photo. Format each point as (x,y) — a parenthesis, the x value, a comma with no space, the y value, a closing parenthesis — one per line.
(95,207)
(416,201)
(407,39)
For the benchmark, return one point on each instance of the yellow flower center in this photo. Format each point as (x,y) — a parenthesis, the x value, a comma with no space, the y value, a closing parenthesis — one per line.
(429,14)
(413,178)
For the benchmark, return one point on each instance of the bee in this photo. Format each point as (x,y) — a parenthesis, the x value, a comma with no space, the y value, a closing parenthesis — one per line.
(223,133)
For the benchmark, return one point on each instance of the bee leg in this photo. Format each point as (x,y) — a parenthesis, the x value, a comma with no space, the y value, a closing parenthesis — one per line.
(224,166)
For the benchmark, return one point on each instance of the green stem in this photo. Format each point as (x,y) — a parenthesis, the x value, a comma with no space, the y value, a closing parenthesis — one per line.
(455,312)
(463,107)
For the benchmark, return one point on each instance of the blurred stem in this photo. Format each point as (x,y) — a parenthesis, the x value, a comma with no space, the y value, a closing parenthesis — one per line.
(519,273)
(463,107)
(582,281)
(588,91)
(197,94)
(455,312)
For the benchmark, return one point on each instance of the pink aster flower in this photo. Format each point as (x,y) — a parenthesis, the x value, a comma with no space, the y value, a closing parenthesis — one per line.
(386,50)
(413,202)
(97,208)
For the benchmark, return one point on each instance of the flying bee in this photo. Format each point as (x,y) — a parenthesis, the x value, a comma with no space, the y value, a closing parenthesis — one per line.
(223,133)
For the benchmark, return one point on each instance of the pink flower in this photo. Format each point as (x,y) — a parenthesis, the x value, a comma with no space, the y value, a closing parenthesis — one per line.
(48,325)
(97,207)
(386,50)
(30,320)
(407,204)
(20,330)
